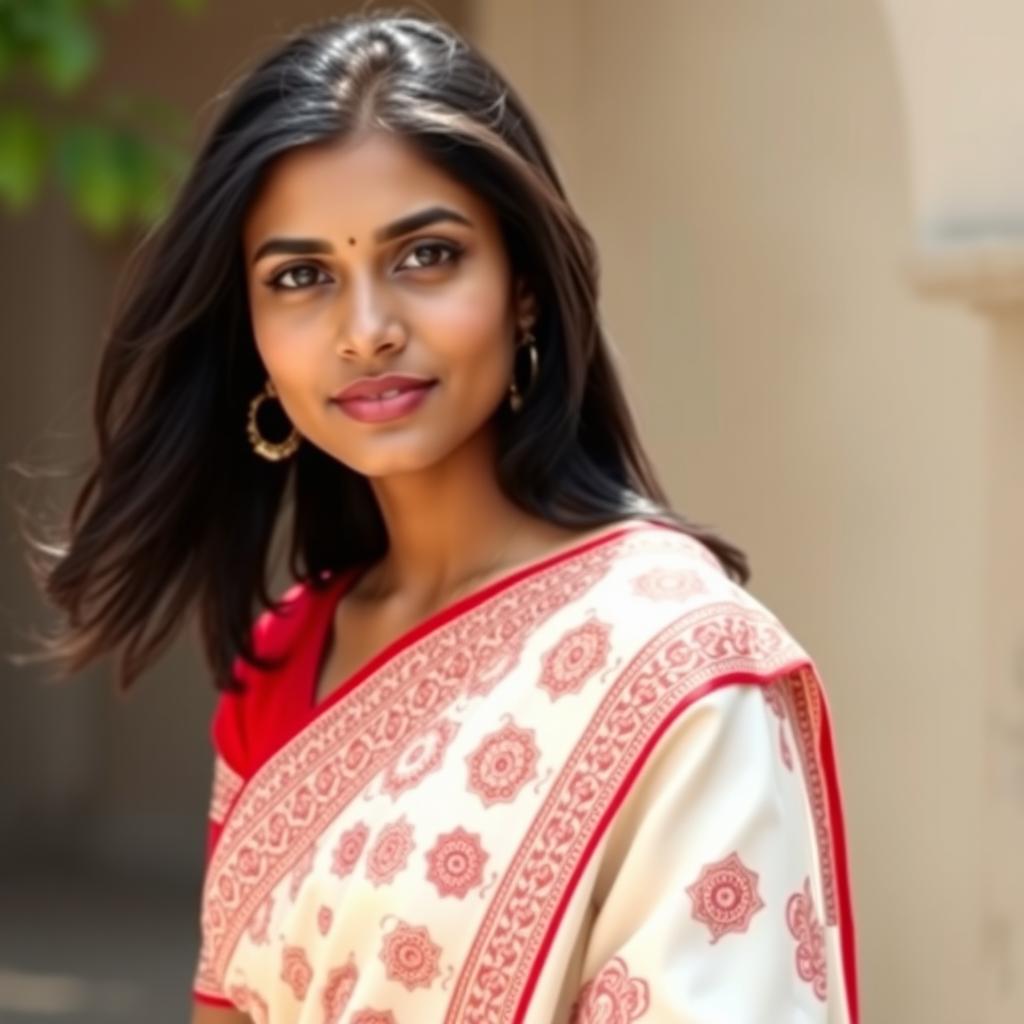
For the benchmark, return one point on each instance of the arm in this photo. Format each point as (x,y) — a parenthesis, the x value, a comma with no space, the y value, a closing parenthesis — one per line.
(204,1014)
(710,903)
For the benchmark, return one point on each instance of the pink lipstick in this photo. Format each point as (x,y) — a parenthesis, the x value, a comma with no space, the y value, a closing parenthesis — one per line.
(379,399)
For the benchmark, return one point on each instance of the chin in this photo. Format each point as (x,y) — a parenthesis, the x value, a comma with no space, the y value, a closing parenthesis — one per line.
(402,458)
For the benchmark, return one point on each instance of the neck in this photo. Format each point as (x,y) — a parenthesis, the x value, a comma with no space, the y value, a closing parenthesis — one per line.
(450,525)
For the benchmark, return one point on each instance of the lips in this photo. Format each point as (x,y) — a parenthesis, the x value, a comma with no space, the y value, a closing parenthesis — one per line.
(383,409)
(382,388)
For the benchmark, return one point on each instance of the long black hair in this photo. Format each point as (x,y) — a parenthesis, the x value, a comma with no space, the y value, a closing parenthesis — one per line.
(176,512)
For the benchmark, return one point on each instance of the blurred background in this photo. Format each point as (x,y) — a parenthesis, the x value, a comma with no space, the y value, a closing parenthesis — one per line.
(811,223)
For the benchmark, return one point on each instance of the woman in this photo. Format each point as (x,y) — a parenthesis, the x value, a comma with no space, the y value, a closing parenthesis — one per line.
(516,745)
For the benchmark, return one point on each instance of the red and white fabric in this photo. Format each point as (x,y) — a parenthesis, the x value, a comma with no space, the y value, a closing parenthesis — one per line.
(600,788)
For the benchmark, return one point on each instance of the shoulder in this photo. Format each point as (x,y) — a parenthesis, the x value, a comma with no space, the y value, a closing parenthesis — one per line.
(249,722)
(662,563)
(276,628)
(677,611)
(699,648)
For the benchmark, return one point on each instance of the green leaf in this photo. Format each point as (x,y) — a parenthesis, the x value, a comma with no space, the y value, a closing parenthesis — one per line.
(65,47)
(189,6)
(90,167)
(144,182)
(23,153)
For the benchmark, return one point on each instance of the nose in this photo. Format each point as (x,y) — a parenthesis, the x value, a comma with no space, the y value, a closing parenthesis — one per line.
(371,325)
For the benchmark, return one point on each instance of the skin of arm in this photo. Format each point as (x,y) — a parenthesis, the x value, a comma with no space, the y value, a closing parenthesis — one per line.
(203,1014)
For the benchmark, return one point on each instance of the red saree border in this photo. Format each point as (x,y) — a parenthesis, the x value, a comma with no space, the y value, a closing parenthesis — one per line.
(835,849)
(333,757)
(324,600)
(841,857)
(731,642)
(227,784)
(461,606)
(207,1000)
(729,648)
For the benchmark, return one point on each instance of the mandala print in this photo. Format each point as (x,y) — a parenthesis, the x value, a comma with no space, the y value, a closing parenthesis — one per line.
(422,756)
(338,991)
(668,585)
(456,863)
(611,997)
(349,849)
(296,971)
(725,896)
(807,930)
(577,656)
(372,1017)
(410,957)
(503,763)
(390,853)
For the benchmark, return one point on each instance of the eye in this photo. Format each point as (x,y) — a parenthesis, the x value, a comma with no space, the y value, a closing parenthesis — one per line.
(303,275)
(451,252)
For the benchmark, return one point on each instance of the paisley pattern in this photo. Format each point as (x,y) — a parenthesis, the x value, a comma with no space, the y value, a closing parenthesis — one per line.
(612,997)
(810,950)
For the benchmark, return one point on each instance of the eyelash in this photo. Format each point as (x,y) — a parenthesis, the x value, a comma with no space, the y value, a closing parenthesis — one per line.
(454,254)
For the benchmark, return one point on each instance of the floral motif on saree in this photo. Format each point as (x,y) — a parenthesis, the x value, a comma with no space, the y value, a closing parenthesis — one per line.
(599,789)
(725,897)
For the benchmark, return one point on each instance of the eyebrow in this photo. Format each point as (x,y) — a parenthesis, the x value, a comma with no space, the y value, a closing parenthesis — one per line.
(402,226)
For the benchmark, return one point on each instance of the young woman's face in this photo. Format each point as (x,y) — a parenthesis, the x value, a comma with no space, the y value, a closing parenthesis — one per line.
(340,290)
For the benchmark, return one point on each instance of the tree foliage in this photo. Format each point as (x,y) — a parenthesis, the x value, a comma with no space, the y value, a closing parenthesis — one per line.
(116,157)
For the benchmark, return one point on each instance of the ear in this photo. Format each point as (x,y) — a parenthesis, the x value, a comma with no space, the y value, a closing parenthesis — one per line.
(525,304)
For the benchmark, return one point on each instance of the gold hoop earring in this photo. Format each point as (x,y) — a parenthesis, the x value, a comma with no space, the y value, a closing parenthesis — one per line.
(273,451)
(517,397)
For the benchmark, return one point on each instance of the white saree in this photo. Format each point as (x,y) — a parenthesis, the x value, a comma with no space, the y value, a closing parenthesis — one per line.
(599,789)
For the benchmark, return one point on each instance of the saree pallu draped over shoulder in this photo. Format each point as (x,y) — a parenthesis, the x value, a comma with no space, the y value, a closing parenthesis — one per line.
(601,788)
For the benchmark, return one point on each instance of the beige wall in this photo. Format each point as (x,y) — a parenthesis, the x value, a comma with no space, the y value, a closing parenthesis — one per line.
(743,167)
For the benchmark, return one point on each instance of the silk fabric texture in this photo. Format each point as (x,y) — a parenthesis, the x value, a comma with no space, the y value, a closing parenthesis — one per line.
(600,788)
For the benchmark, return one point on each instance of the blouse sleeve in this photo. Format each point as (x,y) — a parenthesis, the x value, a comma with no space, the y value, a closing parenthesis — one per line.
(711,888)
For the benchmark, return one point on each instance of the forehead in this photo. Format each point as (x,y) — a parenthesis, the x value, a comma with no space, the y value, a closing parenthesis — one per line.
(352,187)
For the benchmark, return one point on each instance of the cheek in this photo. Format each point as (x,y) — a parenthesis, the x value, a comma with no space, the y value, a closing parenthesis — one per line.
(469,333)
(287,341)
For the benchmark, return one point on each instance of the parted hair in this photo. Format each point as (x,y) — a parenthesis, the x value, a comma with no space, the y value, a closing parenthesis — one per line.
(175,514)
